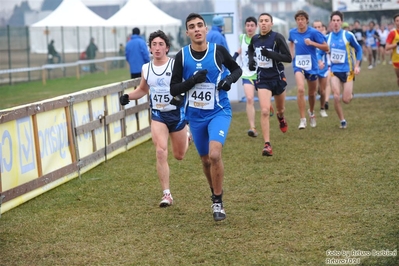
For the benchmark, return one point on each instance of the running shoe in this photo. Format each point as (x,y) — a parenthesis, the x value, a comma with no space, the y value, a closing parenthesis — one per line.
(283,124)
(343,124)
(267,150)
(271,110)
(323,113)
(312,119)
(302,123)
(218,211)
(370,67)
(166,201)
(252,132)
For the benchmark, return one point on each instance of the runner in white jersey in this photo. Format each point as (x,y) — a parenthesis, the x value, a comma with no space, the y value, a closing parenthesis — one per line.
(383,33)
(248,77)
(167,120)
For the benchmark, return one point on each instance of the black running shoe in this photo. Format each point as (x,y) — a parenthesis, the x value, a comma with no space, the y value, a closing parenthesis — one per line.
(218,211)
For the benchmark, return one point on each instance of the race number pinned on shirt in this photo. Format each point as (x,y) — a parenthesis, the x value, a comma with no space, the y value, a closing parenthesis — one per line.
(160,98)
(263,61)
(202,96)
(338,56)
(370,40)
(303,61)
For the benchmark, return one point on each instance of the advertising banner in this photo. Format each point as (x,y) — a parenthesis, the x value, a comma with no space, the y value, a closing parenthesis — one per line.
(364,5)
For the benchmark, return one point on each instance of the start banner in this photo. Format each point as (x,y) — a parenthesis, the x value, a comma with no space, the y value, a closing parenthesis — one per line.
(364,5)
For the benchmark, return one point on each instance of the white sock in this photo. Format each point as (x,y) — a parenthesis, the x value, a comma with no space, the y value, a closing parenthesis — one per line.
(166,191)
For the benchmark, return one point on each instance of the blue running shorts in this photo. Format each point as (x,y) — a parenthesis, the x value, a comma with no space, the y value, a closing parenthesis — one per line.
(214,129)
(174,120)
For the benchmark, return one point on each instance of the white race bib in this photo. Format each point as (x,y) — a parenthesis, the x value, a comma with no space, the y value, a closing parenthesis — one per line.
(202,96)
(370,40)
(303,61)
(160,99)
(263,61)
(338,56)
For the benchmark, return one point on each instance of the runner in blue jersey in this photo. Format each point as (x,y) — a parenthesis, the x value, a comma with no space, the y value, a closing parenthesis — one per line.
(303,43)
(270,49)
(166,120)
(372,39)
(323,75)
(198,74)
(343,66)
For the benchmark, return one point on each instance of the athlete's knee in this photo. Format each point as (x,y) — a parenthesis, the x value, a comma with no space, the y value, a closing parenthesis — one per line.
(250,100)
(346,100)
(265,112)
(205,162)
(301,90)
(214,156)
(162,153)
(179,156)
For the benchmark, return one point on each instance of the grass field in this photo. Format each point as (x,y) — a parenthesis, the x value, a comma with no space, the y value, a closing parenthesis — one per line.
(324,190)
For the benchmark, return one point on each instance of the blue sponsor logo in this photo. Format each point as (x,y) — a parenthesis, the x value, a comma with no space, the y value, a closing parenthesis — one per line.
(6,145)
(25,145)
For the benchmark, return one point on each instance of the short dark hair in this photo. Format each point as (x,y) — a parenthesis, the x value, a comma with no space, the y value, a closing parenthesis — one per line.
(266,14)
(395,16)
(136,31)
(337,13)
(301,13)
(251,19)
(161,35)
(192,16)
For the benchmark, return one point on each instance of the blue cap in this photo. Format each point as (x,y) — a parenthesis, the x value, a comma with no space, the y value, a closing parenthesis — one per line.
(218,21)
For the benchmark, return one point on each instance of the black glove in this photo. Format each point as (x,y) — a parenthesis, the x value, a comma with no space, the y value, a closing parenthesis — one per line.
(200,76)
(252,65)
(177,100)
(124,99)
(225,84)
(235,56)
(265,52)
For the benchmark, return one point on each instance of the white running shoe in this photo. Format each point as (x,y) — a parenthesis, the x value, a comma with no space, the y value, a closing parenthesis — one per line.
(302,123)
(166,201)
(323,113)
(312,119)
(370,67)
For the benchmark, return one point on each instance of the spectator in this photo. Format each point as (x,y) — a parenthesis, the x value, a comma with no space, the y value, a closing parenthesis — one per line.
(53,53)
(91,54)
(136,53)
(215,34)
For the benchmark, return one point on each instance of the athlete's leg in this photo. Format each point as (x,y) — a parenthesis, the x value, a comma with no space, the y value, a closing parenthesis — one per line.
(300,83)
(160,135)
(347,92)
(249,90)
(264,102)
(322,91)
(396,69)
(336,90)
(179,140)
(312,87)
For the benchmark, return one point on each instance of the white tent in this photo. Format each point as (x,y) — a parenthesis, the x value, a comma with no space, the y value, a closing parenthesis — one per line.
(71,26)
(144,15)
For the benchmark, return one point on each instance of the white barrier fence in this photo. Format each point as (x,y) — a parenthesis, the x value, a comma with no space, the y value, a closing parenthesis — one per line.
(47,143)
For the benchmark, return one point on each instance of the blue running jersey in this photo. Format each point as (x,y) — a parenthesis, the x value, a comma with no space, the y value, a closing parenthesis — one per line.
(305,55)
